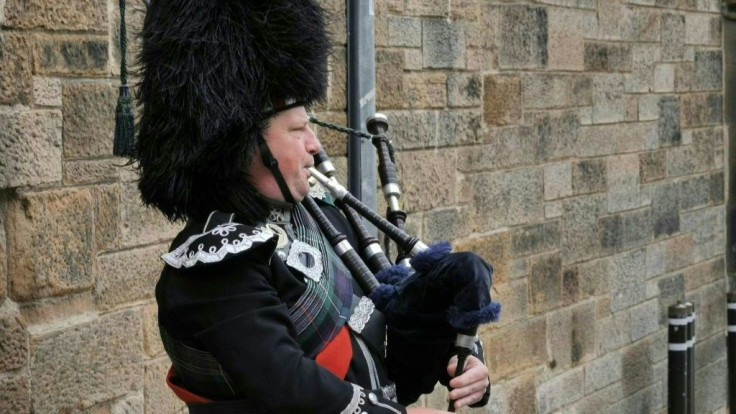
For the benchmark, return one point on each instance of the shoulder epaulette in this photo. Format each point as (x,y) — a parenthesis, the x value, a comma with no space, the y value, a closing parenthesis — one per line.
(219,239)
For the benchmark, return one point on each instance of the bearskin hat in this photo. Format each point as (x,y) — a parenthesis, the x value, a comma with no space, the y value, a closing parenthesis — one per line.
(211,72)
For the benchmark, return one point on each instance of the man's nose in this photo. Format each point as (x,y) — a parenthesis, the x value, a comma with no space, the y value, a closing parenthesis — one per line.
(312,143)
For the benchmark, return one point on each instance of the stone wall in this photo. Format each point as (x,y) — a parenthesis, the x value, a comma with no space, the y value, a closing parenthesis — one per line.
(578,145)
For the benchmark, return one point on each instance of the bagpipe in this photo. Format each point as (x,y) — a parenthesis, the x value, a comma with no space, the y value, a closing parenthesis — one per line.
(433,299)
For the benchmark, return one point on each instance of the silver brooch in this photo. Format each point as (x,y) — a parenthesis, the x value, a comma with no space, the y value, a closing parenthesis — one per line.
(281,233)
(317,191)
(311,266)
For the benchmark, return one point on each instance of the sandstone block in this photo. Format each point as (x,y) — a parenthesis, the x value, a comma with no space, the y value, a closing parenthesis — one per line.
(673,36)
(580,238)
(52,310)
(90,171)
(495,248)
(426,89)
(684,76)
(604,57)
(708,70)
(602,372)
(389,79)
(709,307)
(626,271)
(66,363)
(158,397)
(613,332)
(704,273)
(560,391)
(644,320)
(413,59)
(558,135)
(46,91)
(464,89)
(13,342)
(545,283)
(31,142)
(460,128)
(514,297)
(593,278)
(702,29)
(649,399)
(508,198)
(142,225)
(631,108)
(643,58)
(404,31)
(89,119)
(636,367)
(665,209)
(652,166)
(559,341)
(443,44)
(107,216)
(536,238)
(649,107)
(678,252)
(588,176)
(70,55)
(606,397)
(547,91)
(521,394)
(557,180)
(465,9)
(596,140)
(88,16)
(128,276)
(697,157)
(524,35)
(426,8)
(664,77)
(413,129)
(516,347)
(623,183)
(711,384)
(502,100)
(641,24)
(511,147)
(694,192)
(15,392)
(608,98)
(445,224)
(567,30)
(16,80)
(432,182)
(668,125)
(51,236)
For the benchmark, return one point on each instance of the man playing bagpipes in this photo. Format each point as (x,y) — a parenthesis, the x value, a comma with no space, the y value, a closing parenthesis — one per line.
(257,312)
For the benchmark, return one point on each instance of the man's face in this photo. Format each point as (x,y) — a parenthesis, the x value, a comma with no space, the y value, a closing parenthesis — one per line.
(293,144)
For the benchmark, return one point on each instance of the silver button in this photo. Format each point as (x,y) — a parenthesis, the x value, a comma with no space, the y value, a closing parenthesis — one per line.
(372,398)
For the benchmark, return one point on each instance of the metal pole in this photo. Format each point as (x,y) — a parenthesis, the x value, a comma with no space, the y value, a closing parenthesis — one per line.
(677,360)
(690,357)
(731,343)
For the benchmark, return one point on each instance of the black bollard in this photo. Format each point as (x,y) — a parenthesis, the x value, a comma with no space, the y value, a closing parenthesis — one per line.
(690,357)
(731,344)
(677,359)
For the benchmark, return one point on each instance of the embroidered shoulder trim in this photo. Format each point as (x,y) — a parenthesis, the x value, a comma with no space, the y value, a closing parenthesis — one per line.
(361,314)
(358,400)
(214,245)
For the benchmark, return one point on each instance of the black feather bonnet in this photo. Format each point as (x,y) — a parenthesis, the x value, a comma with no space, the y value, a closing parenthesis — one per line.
(211,71)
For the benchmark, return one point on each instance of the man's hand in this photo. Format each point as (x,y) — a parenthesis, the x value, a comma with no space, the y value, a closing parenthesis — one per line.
(469,387)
